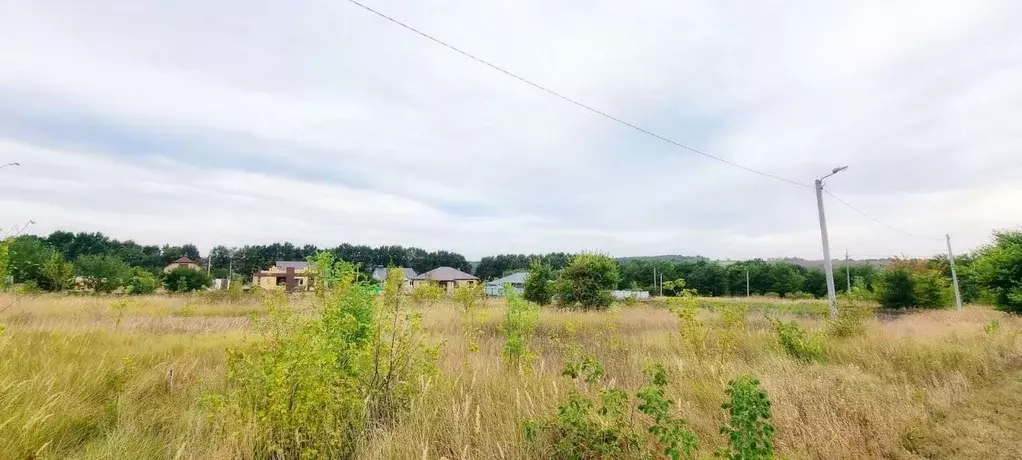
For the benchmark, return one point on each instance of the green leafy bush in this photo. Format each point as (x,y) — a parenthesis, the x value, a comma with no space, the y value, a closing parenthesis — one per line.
(932,290)
(669,431)
(141,282)
(102,273)
(799,295)
(468,297)
(999,267)
(519,327)
(749,432)
(896,288)
(314,387)
(992,327)
(851,319)
(587,281)
(184,279)
(539,284)
(798,343)
(57,275)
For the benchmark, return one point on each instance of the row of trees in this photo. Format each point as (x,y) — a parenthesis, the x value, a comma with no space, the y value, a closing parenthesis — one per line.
(992,274)
(31,262)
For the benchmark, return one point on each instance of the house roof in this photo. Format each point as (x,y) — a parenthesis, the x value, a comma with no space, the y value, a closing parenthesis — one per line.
(514,278)
(445,274)
(297,265)
(380,273)
(184,260)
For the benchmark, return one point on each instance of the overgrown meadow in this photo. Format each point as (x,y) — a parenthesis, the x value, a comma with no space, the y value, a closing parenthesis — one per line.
(345,373)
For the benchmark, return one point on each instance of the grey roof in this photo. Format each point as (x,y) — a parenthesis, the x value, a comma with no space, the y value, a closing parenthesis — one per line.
(445,274)
(380,273)
(514,278)
(297,265)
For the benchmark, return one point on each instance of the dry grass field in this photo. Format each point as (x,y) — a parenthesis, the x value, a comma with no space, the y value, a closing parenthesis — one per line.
(95,377)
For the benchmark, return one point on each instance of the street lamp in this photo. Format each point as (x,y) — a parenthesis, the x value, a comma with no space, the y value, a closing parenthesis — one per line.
(827,266)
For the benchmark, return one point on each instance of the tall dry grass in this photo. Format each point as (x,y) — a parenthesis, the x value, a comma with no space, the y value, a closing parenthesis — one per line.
(84,377)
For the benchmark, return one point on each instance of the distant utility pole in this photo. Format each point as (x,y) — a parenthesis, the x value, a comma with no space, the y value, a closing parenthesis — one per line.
(661,284)
(848,272)
(654,279)
(828,267)
(954,274)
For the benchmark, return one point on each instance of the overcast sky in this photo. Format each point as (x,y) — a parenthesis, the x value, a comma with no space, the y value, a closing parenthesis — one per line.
(243,122)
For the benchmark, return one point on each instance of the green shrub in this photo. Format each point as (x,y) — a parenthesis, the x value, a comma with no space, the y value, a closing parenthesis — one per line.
(57,275)
(468,297)
(141,282)
(184,279)
(799,295)
(772,295)
(851,319)
(669,431)
(312,387)
(999,267)
(602,429)
(585,429)
(992,327)
(896,288)
(426,293)
(693,332)
(539,284)
(859,291)
(587,281)
(519,327)
(102,273)
(798,343)
(749,432)
(932,290)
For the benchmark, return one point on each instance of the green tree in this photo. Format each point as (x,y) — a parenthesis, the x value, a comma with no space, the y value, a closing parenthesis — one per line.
(932,290)
(999,267)
(786,279)
(587,282)
(26,255)
(896,288)
(101,273)
(538,288)
(56,275)
(184,279)
(141,281)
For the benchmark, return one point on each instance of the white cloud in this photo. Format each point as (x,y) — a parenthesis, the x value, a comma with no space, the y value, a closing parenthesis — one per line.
(319,122)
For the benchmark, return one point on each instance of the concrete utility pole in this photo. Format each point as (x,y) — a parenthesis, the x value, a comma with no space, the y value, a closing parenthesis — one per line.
(954,274)
(848,272)
(661,284)
(828,267)
(654,279)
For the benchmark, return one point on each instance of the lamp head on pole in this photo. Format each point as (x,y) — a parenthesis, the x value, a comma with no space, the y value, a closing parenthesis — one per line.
(834,171)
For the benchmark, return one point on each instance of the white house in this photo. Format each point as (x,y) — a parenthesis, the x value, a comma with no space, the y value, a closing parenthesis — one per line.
(516,280)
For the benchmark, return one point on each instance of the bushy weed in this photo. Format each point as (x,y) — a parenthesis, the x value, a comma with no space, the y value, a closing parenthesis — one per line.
(798,343)
(851,319)
(519,327)
(749,432)
(315,387)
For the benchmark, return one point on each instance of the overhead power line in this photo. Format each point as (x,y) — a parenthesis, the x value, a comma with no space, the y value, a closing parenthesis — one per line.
(874,219)
(573,101)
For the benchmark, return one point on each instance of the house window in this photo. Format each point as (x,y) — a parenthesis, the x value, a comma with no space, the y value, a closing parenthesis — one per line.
(281,281)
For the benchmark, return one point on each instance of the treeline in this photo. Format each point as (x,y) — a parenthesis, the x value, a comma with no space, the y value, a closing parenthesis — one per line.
(707,277)
(25,258)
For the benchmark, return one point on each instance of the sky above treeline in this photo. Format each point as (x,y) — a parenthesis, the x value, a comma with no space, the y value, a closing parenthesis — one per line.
(249,122)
